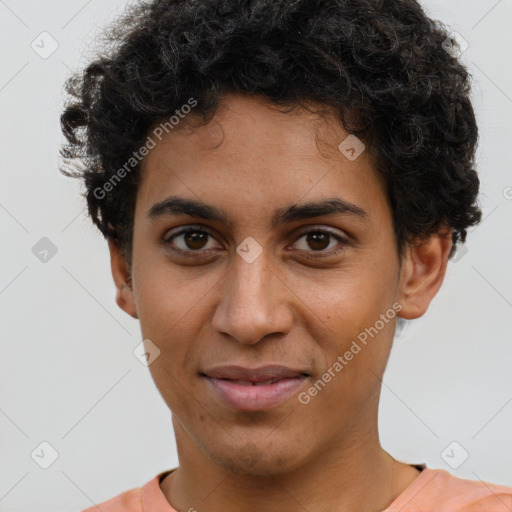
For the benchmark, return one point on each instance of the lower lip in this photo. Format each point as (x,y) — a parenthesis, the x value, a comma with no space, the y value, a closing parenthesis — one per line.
(255,398)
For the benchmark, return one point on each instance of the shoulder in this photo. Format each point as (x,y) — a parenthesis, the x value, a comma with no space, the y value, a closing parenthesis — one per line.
(440,490)
(132,500)
(127,501)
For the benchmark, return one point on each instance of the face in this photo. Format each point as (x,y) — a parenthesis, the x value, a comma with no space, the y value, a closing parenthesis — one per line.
(269,279)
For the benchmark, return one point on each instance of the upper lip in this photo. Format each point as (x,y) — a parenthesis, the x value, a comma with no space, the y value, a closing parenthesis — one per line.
(260,374)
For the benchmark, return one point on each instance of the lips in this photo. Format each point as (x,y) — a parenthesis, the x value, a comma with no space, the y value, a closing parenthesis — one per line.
(254,389)
(254,383)
(255,376)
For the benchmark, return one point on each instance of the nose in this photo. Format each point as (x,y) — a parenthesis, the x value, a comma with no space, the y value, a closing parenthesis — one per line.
(253,303)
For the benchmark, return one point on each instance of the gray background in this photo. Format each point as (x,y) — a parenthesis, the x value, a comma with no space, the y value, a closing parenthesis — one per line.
(67,372)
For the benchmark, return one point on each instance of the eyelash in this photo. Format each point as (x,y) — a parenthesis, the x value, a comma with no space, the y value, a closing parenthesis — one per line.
(318,254)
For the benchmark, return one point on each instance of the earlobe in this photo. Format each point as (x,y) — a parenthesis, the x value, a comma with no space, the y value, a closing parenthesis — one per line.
(422,274)
(122,280)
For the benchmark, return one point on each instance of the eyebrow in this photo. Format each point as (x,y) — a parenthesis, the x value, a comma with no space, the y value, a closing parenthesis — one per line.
(176,205)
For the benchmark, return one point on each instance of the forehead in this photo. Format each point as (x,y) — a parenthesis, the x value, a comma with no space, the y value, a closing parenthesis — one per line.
(253,122)
(256,156)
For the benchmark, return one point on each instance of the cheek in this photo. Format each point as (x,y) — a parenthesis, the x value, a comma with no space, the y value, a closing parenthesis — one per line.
(175,392)
(167,297)
(171,312)
(345,301)
(352,366)
(350,308)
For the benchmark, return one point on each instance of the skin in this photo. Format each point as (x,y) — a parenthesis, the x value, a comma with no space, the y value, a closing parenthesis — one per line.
(282,308)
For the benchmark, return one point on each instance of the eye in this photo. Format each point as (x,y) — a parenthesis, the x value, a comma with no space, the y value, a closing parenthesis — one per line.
(188,240)
(194,239)
(319,240)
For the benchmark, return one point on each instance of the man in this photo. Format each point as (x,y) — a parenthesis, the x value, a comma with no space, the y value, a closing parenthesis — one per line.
(279,182)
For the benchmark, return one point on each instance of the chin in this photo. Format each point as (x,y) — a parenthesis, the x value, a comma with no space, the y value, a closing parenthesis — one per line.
(249,458)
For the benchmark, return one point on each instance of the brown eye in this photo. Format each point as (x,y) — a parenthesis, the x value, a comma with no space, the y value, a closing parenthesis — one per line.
(318,241)
(189,240)
(195,240)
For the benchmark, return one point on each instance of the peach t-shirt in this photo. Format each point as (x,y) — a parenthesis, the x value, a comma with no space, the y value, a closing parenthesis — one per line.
(434,490)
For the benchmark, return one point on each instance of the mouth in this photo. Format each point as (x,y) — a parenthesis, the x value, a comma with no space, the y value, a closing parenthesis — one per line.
(253,383)
(255,389)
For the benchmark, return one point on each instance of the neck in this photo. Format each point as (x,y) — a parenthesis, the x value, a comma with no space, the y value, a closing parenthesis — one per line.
(352,473)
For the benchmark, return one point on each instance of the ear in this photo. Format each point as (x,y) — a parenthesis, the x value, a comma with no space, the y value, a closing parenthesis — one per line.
(422,273)
(122,279)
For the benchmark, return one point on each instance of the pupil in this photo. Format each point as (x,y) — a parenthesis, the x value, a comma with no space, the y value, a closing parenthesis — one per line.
(192,239)
(315,238)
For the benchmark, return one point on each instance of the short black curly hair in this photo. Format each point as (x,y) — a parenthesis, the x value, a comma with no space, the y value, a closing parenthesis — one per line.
(382,65)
